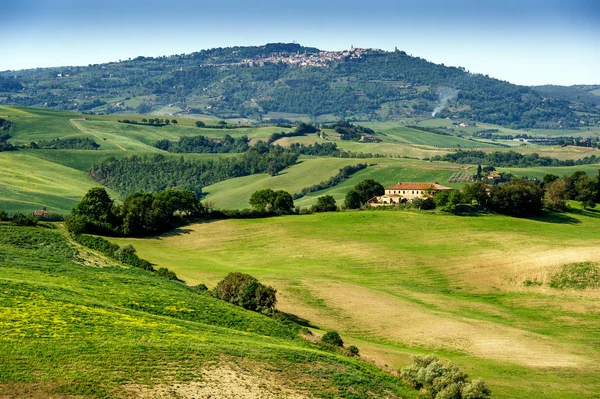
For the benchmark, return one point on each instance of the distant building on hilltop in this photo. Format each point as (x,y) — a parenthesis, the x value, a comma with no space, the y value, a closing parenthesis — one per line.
(406,192)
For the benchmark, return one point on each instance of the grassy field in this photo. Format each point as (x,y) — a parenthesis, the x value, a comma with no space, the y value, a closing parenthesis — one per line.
(75,325)
(29,183)
(33,178)
(394,283)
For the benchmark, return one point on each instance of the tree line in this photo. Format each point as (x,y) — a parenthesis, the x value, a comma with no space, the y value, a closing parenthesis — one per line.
(202,144)
(157,172)
(511,159)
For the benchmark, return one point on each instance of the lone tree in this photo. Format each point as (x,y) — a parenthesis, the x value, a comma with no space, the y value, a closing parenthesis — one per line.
(363,192)
(332,338)
(244,290)
(325,203)
(95,205)
(276,201)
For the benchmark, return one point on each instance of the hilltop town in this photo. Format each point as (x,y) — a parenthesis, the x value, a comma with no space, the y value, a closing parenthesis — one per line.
(318,59)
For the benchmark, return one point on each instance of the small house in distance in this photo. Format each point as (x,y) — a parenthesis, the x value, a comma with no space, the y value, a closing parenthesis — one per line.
(406,192)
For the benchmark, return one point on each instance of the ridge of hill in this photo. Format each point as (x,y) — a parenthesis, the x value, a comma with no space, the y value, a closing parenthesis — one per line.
(287,81)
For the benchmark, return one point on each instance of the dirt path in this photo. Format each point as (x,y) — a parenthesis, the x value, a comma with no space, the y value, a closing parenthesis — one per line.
(98,137)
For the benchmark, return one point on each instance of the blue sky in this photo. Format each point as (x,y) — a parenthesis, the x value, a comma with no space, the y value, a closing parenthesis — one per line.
(525,42)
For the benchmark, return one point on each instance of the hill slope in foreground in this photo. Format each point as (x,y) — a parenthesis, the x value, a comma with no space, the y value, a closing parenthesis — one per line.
(73,325)
(475,289)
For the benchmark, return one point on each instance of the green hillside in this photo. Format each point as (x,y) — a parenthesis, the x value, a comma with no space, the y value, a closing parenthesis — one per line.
(471,289)
(256,83)
(75,325)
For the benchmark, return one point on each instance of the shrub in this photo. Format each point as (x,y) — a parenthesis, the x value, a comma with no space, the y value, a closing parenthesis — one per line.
(438,381)
(200,288)
(518,197)
(166,273)
(353,350)
(3,216)
(244,290)
(20,219)
(332,338)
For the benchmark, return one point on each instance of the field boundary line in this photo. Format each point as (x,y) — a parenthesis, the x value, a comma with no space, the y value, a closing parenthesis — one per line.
(98,137)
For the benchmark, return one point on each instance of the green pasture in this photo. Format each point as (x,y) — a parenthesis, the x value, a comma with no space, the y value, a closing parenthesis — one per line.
(29,183)
(394,283)
(74,325)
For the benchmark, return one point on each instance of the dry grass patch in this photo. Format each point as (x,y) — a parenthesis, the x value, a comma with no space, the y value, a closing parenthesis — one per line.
(223,382)
(390,318)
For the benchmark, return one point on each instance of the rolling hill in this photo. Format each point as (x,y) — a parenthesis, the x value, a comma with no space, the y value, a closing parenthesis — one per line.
(281,81)
(74,324)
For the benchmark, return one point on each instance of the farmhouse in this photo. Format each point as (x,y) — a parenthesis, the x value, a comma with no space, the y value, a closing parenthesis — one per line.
(406,192)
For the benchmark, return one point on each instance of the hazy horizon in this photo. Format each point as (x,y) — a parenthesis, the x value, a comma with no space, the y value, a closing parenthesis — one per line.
(529,42)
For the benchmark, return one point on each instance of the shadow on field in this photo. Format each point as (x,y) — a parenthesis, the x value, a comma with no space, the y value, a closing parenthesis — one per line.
(590,213)
(299,320)
(558,218)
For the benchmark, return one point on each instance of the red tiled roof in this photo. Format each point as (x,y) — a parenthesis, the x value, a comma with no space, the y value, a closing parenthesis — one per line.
(418,186)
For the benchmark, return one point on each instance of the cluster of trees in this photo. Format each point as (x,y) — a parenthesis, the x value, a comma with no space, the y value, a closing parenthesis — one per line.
(521,197)
(349,131)
(362,193)
(4,144)
(269,201)
(436,380)
(70,143)
(246,291)
(150,122)
(202,144)
(141,214)
(156,173)
(218,125)
(343,174)
(510,159)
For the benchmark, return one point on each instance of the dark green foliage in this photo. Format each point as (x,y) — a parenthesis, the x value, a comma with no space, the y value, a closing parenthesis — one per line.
(72,143)
(268,200)
(96,205)
(125,255)
(363,192)
(348,131)
(202,144)
(353,350)
(156,173)
(342,175)
(423,204)
(438,381)
(200,124)
(4,144)
(518,198)
(244,290)
(325,203)
(332,338)
(140,214)
(511,159)
(476,192)
(3,216)
(166,273)
(20,219)
(300,130)
(200,288)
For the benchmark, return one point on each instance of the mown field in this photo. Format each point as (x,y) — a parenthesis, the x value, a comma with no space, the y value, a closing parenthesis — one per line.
(394,283)
(75,325)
